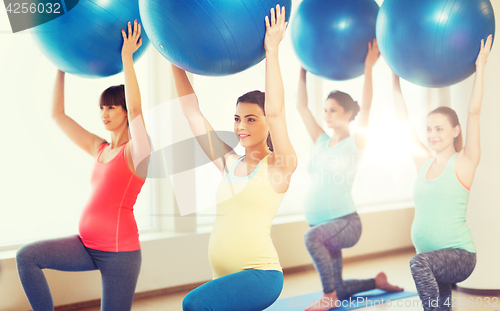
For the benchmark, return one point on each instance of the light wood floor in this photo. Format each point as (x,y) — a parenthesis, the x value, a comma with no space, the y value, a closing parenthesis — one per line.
(395,266)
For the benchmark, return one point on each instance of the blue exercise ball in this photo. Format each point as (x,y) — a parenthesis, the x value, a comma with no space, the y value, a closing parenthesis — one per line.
(433,43)
(330,37)
(212,38)
(87,40)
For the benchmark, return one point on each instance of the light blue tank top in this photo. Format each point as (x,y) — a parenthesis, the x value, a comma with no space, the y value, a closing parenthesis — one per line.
(440,209)
(331,175)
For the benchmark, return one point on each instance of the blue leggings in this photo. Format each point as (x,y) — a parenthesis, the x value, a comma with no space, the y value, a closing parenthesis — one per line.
(119,271)
(247,290)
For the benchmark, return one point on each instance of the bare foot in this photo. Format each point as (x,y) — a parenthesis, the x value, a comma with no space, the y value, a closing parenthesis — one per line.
(326,302)
(381,282)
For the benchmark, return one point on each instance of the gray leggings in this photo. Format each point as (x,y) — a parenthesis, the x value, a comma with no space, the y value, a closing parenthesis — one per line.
(434,272)
(324,242)
(119,271)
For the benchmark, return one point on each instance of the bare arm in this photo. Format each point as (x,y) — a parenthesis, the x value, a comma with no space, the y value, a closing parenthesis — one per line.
(419,153)
(472,148)
(275,97)
(140,146)
(212,145)
(81,137)
(373,55)
(313,128)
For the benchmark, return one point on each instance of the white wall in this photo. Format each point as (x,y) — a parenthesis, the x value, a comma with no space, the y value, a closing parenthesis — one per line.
(484,205)
(180,260)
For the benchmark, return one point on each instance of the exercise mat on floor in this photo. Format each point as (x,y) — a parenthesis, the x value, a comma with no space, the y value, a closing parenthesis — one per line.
(360,300)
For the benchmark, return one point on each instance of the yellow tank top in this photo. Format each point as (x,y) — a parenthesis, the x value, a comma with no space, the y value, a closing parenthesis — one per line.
(241,237)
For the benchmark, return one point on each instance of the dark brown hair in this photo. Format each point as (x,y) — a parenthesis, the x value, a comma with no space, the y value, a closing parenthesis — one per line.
(114,96)
(258,98)
(345,100)
(453,118)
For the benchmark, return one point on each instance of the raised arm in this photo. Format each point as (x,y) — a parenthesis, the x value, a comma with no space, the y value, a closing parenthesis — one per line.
(419,152)
(140,147)
(81,137)
(212,145)
(472,148)
(313,128)
(372,56)
(275,97)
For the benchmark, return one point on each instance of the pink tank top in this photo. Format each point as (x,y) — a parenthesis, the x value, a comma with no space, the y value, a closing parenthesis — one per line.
(107,222)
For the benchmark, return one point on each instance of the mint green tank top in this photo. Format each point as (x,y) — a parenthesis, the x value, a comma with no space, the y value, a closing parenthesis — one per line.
(440,209)
(331,174)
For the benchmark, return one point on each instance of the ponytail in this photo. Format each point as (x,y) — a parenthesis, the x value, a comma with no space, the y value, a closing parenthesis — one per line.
(345,100)
(269,142)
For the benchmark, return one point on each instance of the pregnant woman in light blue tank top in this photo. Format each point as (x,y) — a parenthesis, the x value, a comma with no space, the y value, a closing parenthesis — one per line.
(329,207)
(440,234)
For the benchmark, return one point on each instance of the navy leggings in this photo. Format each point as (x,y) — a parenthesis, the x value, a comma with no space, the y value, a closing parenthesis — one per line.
(325,243)
(119,271)
(247,290)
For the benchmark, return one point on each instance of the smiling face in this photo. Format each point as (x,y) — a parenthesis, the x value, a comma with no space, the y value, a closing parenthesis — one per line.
(250,124)
(113,117)
(335,115)
(440,132)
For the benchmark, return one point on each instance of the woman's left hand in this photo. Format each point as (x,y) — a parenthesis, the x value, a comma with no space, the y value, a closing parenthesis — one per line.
(131,42)
(275,29)
(484,52)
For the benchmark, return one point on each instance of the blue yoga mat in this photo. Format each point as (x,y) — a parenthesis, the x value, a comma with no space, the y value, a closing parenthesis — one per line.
(360,300)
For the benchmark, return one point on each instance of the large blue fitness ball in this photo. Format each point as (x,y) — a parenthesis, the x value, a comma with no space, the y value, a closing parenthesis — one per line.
(206,37)
(330,37)
(433,43)
(87,40)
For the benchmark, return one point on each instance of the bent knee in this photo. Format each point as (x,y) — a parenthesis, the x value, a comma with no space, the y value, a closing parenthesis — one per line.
(192,303)
(418,262)
(312,237)
(26,254)
(23,253)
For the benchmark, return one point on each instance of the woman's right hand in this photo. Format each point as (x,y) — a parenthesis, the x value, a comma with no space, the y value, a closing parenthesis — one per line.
(373,54)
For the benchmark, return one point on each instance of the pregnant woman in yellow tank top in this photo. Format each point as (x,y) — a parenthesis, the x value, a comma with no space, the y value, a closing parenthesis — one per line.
(440,234)
(246,270)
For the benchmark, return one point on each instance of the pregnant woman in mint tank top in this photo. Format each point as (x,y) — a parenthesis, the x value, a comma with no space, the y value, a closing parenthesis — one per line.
(329,207)
(440,234)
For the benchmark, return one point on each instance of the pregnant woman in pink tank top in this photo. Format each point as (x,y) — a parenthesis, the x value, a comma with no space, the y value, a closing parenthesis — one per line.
(108,238)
